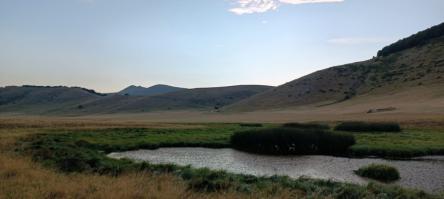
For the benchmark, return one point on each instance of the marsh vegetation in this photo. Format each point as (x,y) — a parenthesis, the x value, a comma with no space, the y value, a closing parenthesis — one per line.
(82,150)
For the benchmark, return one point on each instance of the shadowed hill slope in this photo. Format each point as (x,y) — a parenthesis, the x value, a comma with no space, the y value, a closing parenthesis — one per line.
(400,70)
(43,99)
(197,99)
(153,90)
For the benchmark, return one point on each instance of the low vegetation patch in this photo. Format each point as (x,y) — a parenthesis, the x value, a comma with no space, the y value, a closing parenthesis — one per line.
(292,141)
(251,125)
(368,127)
(306,126)
(379,172)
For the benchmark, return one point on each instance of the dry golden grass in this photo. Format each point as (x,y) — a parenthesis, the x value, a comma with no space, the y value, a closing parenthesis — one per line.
(20,177)
(32,122)
(194,119)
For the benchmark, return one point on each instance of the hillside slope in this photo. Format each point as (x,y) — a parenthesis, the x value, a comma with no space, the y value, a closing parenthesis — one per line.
(153,90)
(421,65)
(34,99)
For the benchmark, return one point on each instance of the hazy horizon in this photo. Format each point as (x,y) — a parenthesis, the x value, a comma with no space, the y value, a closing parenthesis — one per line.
(107,45)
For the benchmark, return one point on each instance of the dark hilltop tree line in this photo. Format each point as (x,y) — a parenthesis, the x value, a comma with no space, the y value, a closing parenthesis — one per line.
(76,87)
(417,39)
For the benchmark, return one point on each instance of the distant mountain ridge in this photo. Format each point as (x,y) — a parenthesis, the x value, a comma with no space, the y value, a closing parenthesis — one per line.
(150,91)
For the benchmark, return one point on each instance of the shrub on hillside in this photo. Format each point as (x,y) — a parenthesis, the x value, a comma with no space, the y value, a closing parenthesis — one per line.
(292,141)
(379,172)
(368,127)
(306,126)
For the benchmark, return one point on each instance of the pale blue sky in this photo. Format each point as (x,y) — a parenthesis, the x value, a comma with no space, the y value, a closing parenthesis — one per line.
(109,44)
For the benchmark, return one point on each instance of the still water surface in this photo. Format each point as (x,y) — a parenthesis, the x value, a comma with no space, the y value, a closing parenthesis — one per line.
(426,173)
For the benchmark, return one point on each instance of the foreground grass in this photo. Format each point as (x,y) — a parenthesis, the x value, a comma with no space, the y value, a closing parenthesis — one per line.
(21,177)
(58,151)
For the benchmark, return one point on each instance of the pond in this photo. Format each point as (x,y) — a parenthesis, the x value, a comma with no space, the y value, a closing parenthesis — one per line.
(425,173)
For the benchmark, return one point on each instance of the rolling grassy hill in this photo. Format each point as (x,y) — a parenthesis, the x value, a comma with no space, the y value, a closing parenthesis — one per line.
(408,75)
(80,101)
(415,63)
(34,99)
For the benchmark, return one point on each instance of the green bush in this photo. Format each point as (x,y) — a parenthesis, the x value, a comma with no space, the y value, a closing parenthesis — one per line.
(306,126)
(379,172)
(368,127)
(251,125)
(292,141)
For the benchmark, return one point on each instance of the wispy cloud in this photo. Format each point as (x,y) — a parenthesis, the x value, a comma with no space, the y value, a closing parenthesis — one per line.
(357,40)
(260,6)
(309,1)
(254,6)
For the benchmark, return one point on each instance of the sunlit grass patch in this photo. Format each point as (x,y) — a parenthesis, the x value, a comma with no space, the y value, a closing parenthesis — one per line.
(410,143)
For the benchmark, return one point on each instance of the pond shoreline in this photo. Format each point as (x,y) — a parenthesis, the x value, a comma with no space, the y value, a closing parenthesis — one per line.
(418,173)
(438,157)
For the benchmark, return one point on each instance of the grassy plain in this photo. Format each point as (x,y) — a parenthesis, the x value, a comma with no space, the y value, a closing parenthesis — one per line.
(67,160)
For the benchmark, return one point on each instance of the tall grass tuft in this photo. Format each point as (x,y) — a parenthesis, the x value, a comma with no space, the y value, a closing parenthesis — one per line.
(292,141)
(368,127)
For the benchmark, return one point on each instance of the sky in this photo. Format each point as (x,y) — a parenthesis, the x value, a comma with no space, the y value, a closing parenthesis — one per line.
(108,45)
